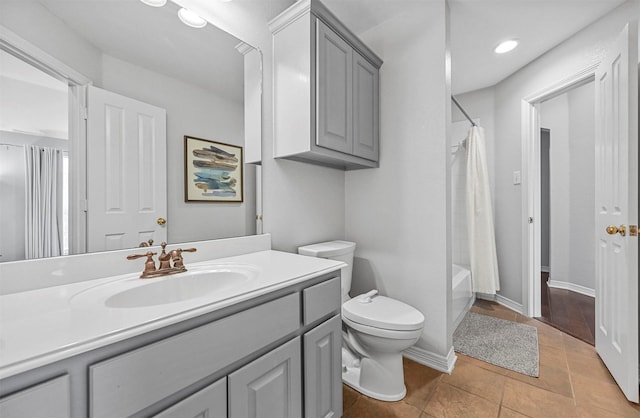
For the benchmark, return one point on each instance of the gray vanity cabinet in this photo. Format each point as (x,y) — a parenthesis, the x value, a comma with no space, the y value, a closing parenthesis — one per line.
(347,97)
(323,376)
(326,92)
(246,360)
(210,402)
(51,399)
(269,386)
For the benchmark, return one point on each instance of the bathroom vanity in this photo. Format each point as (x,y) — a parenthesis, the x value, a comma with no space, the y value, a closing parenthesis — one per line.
(265,343)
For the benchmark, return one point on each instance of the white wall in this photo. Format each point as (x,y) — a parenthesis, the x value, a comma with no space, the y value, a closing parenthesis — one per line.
(582,149)
(399,214)
(570,118)
(554,115)
(302,203)
(193,111)
(568,58)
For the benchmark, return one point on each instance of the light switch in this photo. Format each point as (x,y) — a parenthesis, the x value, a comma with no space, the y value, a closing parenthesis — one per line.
(516,178)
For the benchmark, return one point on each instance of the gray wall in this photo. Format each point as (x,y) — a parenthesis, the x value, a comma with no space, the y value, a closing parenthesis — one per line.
(399,214)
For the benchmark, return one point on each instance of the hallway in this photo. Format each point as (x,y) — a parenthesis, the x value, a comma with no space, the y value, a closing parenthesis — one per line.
(568,311)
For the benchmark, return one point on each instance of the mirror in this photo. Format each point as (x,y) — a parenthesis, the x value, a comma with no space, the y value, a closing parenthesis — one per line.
(147,54)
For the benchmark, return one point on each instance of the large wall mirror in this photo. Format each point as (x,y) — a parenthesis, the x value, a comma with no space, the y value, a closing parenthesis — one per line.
(194,76)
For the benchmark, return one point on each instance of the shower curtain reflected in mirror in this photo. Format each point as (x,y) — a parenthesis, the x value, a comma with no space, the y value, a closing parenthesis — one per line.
(44,202)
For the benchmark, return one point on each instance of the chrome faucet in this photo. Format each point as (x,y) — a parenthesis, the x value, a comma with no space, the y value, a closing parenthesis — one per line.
(164,259)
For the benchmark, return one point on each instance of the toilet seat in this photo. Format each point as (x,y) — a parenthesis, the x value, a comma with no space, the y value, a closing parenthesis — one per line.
(383,313)
(381,332)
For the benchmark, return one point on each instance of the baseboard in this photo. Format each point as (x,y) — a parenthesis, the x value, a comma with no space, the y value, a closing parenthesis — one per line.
(514,306)
(435,361)
(572,287)
(545,269)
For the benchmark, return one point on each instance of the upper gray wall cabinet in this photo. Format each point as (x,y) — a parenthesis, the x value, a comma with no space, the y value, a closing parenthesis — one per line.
(326,90)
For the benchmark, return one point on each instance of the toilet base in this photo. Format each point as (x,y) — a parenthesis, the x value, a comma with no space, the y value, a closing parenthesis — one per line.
(351,377)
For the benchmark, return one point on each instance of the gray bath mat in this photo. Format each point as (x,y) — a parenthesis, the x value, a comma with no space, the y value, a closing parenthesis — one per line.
(497,341)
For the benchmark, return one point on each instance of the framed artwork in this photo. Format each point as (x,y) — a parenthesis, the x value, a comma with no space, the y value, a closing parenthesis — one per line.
(213,171)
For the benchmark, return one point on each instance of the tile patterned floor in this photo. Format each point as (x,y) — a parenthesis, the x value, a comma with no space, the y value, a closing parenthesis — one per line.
(573,383)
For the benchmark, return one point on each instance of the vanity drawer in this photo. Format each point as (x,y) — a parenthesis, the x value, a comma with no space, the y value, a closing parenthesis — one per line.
(126,384)
(50,399)
(321,300)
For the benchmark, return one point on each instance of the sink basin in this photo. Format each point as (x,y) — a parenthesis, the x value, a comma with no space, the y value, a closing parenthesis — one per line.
(188,285)
(199,282)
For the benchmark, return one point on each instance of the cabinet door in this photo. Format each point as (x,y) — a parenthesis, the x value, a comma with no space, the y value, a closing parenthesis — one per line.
(210,402)
(334,94)
(51,399)
(269,386)
(322,368)
(365,108)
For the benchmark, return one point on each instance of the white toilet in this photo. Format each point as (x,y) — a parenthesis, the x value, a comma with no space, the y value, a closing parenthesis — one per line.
(378,329)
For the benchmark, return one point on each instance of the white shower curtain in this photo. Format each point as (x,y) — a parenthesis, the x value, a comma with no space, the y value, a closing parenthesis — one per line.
(482,242)
(43,202)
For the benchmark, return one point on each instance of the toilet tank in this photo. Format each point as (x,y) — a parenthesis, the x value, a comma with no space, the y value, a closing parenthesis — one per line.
(335,250)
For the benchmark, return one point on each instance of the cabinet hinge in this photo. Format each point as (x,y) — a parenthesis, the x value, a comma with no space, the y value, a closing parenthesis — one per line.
(530,219)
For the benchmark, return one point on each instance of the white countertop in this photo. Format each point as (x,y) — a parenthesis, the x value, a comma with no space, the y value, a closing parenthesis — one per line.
(39,327)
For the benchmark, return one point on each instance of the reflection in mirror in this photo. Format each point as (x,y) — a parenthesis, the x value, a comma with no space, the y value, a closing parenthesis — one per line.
(179,81)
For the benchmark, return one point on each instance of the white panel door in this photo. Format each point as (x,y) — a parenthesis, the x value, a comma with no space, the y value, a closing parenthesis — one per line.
(334,100)
(126,171)
(617,207)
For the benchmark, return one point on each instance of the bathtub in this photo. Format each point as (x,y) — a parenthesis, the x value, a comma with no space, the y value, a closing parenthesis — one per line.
(462,295)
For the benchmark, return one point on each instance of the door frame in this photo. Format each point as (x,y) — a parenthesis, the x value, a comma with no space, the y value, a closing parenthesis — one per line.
(531,228)
(77,82)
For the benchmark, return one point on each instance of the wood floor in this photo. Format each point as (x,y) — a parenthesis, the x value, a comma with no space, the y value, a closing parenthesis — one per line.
(568,311)
(573,383)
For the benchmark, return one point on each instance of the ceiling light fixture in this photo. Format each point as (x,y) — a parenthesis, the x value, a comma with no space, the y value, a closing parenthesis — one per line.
(190,18)
(154,3)
(506,46)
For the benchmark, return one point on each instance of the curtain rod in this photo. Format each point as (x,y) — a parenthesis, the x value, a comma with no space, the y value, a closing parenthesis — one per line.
(463,111)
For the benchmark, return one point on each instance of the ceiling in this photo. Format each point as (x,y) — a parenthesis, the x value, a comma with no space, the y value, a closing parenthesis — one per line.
(477,26)
(154,38)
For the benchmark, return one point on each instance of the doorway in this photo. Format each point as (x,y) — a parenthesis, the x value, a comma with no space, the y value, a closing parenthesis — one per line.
(567,219)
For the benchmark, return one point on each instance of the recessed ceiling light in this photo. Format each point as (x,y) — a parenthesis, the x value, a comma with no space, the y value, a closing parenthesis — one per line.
(154,3)
(190,18)
(506,46)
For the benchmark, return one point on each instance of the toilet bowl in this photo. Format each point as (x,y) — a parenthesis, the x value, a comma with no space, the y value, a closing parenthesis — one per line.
(376,331)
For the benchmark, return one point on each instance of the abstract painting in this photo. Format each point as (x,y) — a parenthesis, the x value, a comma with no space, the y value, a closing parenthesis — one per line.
(213,171)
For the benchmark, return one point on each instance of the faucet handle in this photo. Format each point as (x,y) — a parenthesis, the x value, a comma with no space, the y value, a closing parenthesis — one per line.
(148,254)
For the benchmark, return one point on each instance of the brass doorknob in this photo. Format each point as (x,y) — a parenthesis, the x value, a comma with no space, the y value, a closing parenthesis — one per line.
(612,230)
(161,221)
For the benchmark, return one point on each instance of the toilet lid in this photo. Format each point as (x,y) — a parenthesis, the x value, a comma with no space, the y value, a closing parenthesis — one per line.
(382,312)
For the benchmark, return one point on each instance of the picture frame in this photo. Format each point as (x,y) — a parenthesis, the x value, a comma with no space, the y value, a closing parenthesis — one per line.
(213,171)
